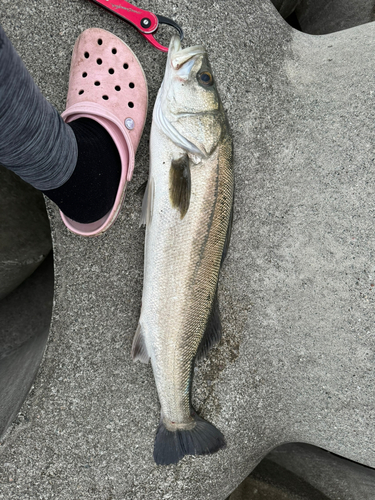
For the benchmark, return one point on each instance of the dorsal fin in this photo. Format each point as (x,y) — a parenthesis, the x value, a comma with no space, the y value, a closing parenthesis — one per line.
(212,334)
(139,351)
(227,238)
(180,184)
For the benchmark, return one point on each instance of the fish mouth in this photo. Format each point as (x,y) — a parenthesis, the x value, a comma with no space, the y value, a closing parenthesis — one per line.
(178,57)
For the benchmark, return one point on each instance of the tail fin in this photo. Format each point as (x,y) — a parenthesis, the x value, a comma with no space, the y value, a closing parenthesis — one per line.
(202,439)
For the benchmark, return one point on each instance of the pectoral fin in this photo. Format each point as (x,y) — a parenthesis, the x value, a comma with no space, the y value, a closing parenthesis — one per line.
(180,184)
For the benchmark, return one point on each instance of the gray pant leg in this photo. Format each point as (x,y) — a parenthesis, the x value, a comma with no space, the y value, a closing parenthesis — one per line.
(35,143)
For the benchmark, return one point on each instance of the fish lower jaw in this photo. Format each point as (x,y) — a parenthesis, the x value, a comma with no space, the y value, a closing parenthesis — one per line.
(181,426)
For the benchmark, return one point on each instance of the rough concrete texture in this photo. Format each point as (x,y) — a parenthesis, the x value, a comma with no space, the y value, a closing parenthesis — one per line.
(25,316)
(296,362)
(25,236)
(299,471)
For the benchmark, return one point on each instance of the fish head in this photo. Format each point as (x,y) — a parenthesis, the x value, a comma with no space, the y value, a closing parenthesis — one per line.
(188,107)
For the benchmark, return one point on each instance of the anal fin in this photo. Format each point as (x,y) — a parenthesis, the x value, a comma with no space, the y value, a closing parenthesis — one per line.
(148,203)
(139,351)
(212,334)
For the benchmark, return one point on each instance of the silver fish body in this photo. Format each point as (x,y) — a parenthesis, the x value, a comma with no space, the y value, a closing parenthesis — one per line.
(187,211)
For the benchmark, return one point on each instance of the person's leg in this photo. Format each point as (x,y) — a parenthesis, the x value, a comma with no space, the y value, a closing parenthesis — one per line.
(77,165)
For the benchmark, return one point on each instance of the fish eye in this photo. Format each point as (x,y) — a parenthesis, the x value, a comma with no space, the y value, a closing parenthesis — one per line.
(205,78)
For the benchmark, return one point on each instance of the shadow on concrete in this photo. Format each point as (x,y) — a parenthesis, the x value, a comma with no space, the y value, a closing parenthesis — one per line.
(25,234)
(320,17)
(25,316)
(298,471)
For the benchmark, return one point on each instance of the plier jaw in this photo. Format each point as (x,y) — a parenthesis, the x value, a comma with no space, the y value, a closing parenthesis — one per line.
(145,21)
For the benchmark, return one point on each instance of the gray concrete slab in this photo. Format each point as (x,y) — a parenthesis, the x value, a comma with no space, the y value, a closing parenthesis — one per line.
(319,17)
(25,316)
(25,235)
(334,476)
(286,7)
(299,471)
(296,292)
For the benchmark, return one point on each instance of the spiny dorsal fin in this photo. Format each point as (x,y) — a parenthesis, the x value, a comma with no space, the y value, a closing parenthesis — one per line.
(180,184)
(227,238)
(212,335)
(148,203)
(139,351)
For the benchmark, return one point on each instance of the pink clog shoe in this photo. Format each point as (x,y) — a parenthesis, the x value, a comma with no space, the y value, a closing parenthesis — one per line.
(108,85)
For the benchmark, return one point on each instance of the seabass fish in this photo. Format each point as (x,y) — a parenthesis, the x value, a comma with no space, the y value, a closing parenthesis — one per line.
(187,210)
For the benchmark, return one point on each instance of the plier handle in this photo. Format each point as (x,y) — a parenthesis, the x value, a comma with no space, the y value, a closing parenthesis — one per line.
(146,22)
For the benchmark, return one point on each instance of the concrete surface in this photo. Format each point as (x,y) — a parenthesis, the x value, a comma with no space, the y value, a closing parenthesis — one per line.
(335,477)
(25,236)
(25,317)
(299,471)
(319,17)
(297,359)
(286,7)
(258,489)
(269,481)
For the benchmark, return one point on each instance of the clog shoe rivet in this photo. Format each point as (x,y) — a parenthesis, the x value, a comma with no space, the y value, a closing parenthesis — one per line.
(129,123)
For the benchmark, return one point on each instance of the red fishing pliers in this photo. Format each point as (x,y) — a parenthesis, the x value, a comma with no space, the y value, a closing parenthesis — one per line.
(146,22)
